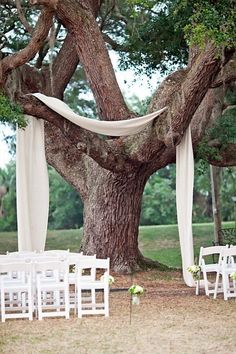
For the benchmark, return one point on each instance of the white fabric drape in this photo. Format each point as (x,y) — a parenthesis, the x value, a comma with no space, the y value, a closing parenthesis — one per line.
(113,128)
(31,170)
(184,202)
(31,186)
(32,177)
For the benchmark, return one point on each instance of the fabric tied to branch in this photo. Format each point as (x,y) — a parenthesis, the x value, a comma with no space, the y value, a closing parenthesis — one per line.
(32,175)
(113,128)
(184,202)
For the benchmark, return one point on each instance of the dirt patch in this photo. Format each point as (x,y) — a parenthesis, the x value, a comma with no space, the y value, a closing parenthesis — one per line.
(170,319)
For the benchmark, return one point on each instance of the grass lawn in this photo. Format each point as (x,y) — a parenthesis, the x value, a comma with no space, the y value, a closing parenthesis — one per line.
(156,242)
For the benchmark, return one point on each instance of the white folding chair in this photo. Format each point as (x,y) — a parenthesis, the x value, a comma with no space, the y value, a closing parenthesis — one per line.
(16,290)
(73,261)
(52,289)
(207,266)
(228,267)
(98,302)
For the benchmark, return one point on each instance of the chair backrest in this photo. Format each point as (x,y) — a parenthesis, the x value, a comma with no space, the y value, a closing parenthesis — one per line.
(57,270)
(51,265)
(59,252)
(211,251)
(229,251)
(92,264)
(206,251)
(74,258)
(14,271)
(21,254)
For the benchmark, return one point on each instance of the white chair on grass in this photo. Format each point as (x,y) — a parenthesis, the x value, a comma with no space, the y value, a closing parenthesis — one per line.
(228,267)
(98,301)
(16,290)
(52,289)
(208,267)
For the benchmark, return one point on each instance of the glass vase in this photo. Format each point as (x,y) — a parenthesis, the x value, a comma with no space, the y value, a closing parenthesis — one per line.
(135,300)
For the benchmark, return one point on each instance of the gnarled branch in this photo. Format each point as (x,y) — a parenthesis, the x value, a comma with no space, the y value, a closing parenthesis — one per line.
(40,33)
(64,66)
(22,17)
(109,154)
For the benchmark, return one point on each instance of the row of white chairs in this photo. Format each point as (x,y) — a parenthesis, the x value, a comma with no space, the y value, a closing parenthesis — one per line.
(212,272)
(43,283)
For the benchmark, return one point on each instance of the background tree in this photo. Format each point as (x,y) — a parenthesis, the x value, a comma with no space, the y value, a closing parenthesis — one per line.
(111,174)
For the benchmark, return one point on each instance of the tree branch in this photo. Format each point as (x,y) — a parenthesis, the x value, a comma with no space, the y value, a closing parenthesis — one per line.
(47,3)
(40,33)
(186,95)
(64,156)
(94,57)
(109,154)
(182,92)
(226,75)
(114,45)
(64,66)
(22,17)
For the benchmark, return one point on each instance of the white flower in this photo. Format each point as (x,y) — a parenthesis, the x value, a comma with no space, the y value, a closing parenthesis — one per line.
(195,271)
(111,279)
(136,290)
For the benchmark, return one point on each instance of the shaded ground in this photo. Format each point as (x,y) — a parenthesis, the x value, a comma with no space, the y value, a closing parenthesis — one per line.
(169,320)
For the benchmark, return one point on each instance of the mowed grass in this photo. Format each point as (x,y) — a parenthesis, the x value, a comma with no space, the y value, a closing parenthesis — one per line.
(156,242)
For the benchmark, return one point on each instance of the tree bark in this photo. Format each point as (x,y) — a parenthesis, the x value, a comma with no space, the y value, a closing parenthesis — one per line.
(111,218)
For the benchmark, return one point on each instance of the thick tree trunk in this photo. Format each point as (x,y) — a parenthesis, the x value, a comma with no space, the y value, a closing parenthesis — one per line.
(111,218)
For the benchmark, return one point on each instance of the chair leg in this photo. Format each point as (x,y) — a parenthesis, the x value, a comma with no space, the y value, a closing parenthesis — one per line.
(79,302)
(216,285)
(93,296)
(106,301)
(67,304)
(206,283)
(197,287)
(39,302)
(224,282)
(3,305)
(30,304)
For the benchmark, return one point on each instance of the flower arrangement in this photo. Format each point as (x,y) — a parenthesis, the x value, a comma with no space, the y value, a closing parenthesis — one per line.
(111,279)
(233,276)
(195,271)
(136,291)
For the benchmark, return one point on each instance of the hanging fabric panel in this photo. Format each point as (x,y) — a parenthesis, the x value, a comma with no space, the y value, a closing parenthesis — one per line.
(184,202)
(31,186)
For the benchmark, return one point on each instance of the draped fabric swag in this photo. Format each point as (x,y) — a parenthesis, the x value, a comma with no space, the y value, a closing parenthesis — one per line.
(32,176)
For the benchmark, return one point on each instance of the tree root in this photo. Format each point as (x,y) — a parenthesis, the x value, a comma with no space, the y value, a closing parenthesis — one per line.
(147,263)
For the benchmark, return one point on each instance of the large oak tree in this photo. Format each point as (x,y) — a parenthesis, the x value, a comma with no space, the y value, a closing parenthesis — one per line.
(110,174)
